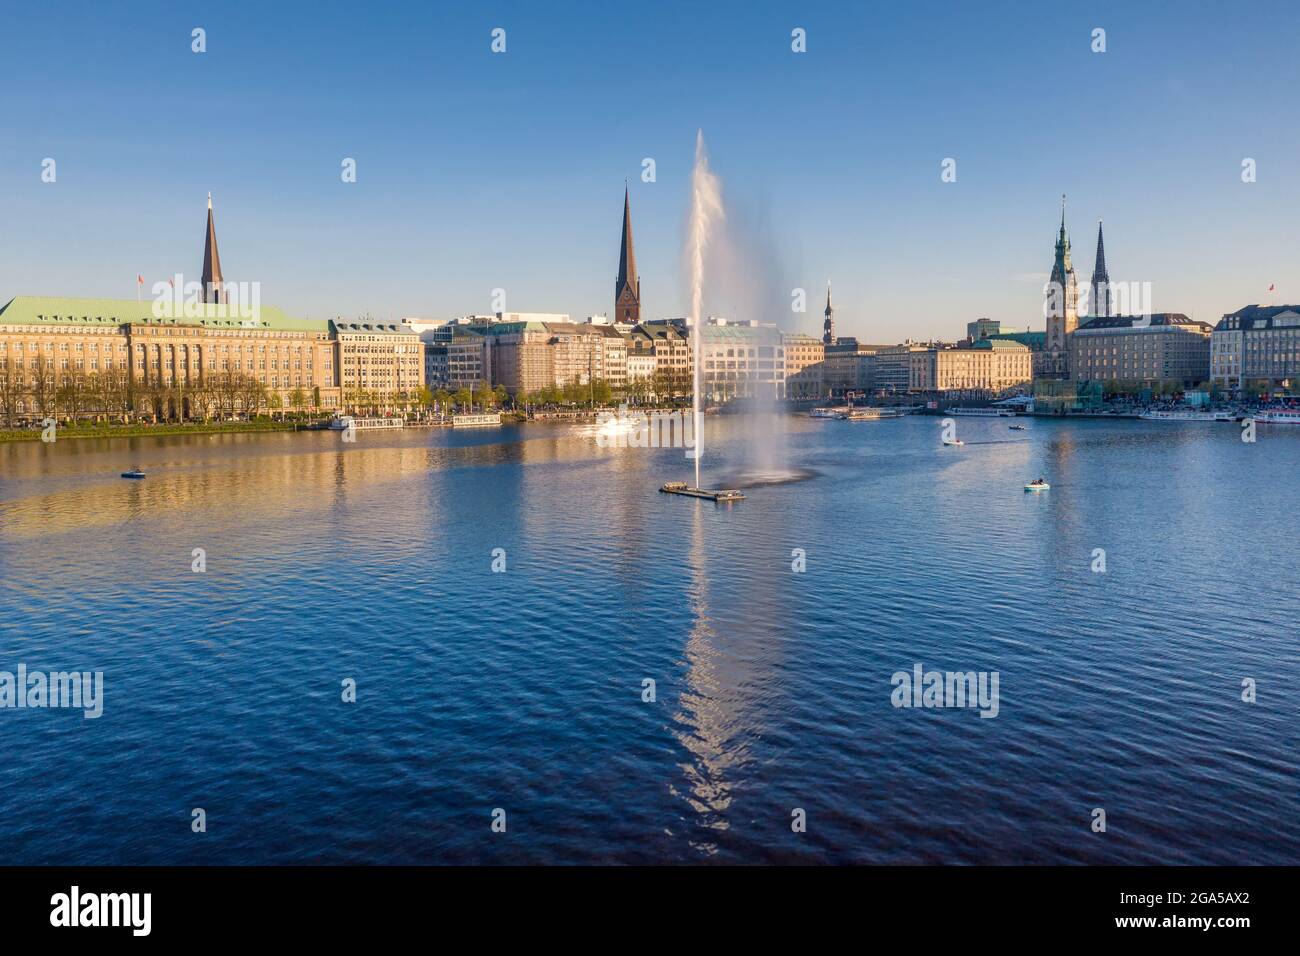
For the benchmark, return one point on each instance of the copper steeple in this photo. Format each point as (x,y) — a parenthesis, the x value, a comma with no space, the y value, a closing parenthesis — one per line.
(627,287)
(1100,279)
(212,281)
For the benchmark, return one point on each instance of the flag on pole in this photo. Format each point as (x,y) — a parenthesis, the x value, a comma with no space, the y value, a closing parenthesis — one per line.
(1270,287)
(139,283)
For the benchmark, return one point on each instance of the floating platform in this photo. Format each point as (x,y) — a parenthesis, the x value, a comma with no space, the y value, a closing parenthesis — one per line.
(681,488)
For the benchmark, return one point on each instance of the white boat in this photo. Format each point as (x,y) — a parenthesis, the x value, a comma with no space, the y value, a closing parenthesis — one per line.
(475,421)
(953,441)
(869,414)
(828,412)
(1186,415)
(1038,485)
(1277,416)
(1016,428)
(341,423)
(982,412)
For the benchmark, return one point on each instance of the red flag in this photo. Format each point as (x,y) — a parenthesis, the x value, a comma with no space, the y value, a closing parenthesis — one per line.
(139,279)
(1270,287)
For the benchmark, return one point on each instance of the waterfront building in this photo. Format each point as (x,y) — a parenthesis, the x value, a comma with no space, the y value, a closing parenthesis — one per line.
(891,367)
(849,366)
(528,355)
(1141,351)
(1101,303)
(1036,342)
(627,285)
(828,324)
(668,342)
(1062,307)
(804,364)
(990,365)
(640,364)
(436,374)
(71,357)
(741,360)
(456,362)
(516,356)
(381,364)
(1256,347)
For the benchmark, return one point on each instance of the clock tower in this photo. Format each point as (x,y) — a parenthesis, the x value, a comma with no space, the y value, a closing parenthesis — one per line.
(1061,307)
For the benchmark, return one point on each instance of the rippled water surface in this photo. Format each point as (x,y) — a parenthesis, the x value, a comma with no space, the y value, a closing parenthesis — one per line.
(523,690)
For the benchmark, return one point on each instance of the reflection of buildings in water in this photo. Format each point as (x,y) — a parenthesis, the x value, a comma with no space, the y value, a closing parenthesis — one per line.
(732,678)
(214,480)
(701,714)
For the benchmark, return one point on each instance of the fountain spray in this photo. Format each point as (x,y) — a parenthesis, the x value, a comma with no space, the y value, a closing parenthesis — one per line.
(706,210)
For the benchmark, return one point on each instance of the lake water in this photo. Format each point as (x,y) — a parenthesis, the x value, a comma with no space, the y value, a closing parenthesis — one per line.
(522,690)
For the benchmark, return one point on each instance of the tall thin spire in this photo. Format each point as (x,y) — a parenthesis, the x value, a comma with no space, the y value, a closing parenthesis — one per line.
(1101,303)
(828,327)
(627,287)
(212,281)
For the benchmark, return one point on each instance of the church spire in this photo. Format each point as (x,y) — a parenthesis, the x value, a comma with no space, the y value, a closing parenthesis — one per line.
(212,281)
(627,287)
(828,327)
(1100,279)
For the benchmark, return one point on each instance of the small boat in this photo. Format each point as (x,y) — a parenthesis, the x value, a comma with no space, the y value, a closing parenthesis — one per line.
(953,441)
(1016,428)
(133,473)
(1038,484)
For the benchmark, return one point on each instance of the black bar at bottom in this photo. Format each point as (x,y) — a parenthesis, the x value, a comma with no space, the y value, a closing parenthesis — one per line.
(336,904)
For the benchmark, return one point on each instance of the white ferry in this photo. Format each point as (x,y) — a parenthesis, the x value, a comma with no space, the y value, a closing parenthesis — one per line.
(475,420)
(828,412)
(869,414)
(1278,416)
(1186,415)
(982,412)
(341,423)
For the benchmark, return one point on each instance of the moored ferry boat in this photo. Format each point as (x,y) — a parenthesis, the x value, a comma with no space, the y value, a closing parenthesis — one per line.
(982,412)
(828,412)
(869,414)
(1277,416)
(476,420)
(340,423)
(1186,415)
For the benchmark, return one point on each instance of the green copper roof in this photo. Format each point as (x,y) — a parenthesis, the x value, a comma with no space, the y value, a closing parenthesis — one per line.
(57,310)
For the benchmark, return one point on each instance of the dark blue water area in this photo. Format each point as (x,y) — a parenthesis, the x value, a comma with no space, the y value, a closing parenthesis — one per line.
(522,690)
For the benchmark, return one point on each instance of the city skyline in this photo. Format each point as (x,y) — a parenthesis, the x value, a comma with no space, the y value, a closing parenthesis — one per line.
(482,194)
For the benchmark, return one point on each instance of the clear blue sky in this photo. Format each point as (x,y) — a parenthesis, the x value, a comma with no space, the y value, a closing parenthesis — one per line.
(478,171)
